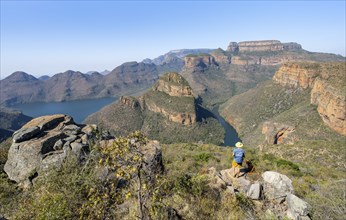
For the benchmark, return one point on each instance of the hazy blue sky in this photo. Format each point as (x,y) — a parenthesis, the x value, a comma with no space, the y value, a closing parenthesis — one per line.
(47,37)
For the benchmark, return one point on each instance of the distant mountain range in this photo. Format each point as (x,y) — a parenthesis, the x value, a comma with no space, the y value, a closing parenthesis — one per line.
(210,73)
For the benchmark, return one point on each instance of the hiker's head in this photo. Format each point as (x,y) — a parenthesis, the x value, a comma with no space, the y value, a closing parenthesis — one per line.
(239,145)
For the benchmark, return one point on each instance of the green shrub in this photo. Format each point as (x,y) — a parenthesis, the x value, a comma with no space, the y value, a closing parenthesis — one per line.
(204,157)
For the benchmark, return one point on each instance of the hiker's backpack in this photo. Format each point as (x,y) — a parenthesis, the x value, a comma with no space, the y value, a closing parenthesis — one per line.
(239,155)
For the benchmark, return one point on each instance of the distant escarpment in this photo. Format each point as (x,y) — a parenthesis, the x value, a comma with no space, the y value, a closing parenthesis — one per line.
(214,78)
(273,52)
(219,75)
(168,107)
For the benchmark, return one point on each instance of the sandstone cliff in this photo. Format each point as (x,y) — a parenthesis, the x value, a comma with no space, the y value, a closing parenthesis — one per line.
(221,57)
(297,75)
(329,94)
(266,45)
(327,81)
(273,52)
(199,61)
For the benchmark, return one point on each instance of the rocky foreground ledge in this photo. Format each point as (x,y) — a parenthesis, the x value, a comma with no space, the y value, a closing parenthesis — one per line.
(45,142)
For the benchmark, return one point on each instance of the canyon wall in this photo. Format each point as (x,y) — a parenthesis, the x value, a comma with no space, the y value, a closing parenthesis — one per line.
(328,89)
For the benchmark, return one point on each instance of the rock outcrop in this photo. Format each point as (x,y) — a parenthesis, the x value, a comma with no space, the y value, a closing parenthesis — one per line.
(45,142)
(327,81)
(131,102)
(221,57)
(173,84)
(172,97)
(292,46)
(199,61)
(273,191)
(233,47)
(276,133)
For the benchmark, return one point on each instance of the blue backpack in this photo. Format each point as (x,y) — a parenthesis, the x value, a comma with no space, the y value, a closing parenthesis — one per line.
(238,155)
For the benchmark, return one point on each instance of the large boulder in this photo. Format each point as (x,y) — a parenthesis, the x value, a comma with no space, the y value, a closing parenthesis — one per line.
(42,143)
(276,185)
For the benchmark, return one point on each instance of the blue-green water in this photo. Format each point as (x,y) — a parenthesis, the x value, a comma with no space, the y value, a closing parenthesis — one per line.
(231,135)
(78,109)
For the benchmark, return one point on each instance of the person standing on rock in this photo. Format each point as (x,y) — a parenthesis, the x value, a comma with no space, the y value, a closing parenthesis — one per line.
(238,157)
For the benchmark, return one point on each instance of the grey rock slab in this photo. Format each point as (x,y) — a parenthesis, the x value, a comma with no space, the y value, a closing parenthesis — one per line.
(23,160)
(72,129)
(297,205)
(70,138)
(243,184)
(25,134)
(254,191)
(58,145)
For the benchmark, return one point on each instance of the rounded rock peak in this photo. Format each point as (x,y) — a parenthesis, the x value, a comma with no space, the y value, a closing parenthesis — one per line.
(174,78)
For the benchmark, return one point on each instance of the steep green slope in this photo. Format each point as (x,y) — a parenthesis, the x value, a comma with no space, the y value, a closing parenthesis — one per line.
(260,114)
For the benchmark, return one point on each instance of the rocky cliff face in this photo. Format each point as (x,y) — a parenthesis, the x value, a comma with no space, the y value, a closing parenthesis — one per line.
(296,75)
(327,82)
(292,46)
(262,46)
(221,57)
(329,94)
(267,45)
(199,61)
(273,52)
